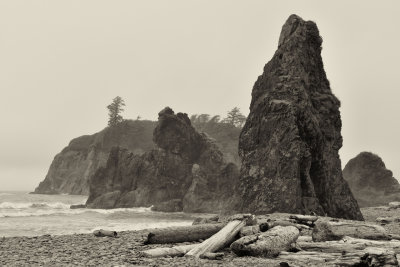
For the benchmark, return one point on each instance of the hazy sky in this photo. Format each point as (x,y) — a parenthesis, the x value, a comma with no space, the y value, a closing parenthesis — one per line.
(62,62)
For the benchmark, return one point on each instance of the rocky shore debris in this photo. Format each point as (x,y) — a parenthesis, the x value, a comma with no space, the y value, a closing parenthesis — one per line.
(323,241)
(128,249)
(103,233)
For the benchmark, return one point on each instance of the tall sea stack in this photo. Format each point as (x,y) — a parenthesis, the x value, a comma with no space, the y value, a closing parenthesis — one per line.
(290,142)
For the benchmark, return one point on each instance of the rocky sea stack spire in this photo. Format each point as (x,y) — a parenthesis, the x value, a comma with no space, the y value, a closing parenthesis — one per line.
(290,142)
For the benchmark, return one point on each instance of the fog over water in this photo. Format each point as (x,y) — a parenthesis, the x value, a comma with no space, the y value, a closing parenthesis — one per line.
(62,62)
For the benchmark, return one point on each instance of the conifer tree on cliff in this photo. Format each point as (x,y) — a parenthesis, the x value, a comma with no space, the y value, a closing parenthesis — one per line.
(235,117)
(114,110)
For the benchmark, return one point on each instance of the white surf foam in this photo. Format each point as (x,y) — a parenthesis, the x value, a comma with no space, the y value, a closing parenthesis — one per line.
(26,209)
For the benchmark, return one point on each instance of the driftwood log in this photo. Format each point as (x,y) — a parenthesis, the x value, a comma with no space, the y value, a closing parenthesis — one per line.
(176,251)
(367,257)
(249,230)
(102,233)
(271,224)
(394,205)
(219,240)
(180,234)
(327,231)
(304,219)
(266,244)
(391,244)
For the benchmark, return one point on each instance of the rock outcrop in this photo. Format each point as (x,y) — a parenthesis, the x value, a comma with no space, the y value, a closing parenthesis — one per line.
(369,180)
(289,144)
(186,166)
(72,168)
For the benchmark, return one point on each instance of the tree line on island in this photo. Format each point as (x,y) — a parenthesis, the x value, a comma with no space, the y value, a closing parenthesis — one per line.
(234,117)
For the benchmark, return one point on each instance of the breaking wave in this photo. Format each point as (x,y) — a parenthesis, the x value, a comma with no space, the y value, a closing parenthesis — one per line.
(27,209)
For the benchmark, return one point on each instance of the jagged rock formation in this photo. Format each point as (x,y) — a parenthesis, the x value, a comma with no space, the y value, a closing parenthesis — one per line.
(72,168)
(186,166)
(226,136)
(289,144)
(369,180)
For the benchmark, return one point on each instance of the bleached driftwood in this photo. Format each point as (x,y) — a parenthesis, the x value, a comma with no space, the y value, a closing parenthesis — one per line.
(180,234)
(390,244)
(394,205)
(102,233)
(176,251)
(266,244)
(271,224)
(248,217)
(304,218)
(249,230)
(366,257)
(386,220)
(326,231)
(219,240)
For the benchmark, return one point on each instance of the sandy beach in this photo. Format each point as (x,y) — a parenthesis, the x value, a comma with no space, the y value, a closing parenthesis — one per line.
(125,250)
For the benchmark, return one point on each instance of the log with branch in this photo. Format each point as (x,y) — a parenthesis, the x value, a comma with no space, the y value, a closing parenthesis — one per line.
(219,240)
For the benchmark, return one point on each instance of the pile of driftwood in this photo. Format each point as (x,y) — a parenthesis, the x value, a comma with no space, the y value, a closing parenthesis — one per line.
(298,240)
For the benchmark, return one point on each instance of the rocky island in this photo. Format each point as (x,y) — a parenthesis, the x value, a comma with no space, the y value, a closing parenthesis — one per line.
(370,181)
(186,171)
(72,168)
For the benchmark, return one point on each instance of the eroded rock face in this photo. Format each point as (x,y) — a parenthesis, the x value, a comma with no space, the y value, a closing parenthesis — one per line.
(369,180)
(289,144)
(186,166)
(72,168)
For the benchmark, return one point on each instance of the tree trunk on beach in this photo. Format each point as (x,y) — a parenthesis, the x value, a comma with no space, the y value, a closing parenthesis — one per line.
(220,240)
(176,251)
(180,234)
(358,258)
(326,231)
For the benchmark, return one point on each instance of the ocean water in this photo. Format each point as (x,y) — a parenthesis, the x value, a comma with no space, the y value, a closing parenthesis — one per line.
(24,214)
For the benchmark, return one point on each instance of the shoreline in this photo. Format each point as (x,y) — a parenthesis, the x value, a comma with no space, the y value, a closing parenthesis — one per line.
(125,250)
(88,250)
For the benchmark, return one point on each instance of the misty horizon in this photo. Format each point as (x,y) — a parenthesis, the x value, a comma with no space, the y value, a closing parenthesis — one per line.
(64,62)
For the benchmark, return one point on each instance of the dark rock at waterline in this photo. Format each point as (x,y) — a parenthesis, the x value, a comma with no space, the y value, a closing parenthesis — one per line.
(187,166)
(370,181)
(78,206)
(290,142)
(174,205)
